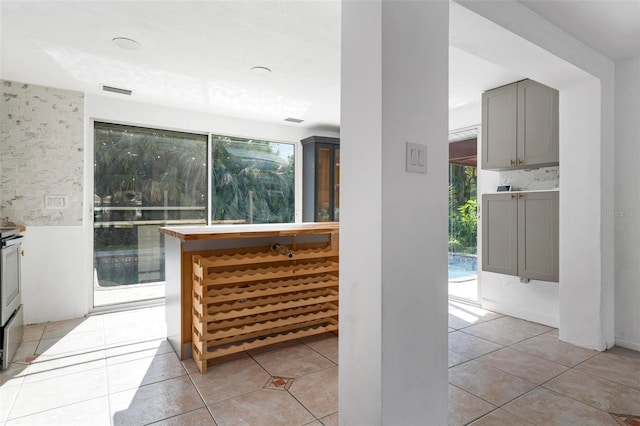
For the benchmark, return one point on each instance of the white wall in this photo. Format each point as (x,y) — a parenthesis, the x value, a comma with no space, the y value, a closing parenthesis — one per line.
(56,273)
(512,36)
(626,214)
(393,332)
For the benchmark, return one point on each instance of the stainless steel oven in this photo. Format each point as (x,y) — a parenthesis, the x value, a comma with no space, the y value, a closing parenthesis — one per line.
(11,319)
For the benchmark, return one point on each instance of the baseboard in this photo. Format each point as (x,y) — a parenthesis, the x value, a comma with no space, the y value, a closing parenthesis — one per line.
(627,344)
(518,312)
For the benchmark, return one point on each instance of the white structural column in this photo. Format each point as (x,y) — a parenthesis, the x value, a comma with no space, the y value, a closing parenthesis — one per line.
(393,233)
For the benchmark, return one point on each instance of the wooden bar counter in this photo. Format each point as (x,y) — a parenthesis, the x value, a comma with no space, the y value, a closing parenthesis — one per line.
(230,288)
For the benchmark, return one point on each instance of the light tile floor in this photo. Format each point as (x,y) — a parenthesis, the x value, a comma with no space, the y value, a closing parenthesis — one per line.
(117,369)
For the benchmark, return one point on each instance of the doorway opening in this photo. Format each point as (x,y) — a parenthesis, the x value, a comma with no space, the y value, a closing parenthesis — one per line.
(463,215)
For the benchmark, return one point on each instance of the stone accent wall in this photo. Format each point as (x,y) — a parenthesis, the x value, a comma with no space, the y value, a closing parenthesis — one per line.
(544,178)
(41,153)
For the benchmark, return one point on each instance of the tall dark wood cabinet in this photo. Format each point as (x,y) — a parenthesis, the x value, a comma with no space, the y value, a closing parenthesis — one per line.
(320,179)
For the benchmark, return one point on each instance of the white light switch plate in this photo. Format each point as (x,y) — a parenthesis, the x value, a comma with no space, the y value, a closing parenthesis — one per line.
(56,201)
(416,158)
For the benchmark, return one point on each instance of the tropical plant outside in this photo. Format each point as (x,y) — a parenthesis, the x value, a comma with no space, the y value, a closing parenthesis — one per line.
(463,209)
(147,178)
(143,179)
(252,181)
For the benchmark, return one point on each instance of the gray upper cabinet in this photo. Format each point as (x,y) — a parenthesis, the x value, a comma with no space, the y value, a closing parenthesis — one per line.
(520,126)
(520,234)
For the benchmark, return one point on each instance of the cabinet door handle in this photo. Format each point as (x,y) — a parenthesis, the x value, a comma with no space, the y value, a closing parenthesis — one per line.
(520,161)
(511,162)
(520,195)
(513,195)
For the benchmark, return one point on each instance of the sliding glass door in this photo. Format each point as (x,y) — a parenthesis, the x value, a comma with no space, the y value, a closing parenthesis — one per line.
(143,179)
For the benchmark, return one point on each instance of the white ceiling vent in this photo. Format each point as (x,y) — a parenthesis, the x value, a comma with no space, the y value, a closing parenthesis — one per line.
(118,90)
(293,120)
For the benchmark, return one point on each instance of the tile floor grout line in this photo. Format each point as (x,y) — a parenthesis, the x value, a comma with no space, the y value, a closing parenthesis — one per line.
(495,407)
(607,379)
(193,383)
(479,397)
(321,354)
(571,397)
(174,416)
(547,359)
(55,408)
(13,403)
(303,406)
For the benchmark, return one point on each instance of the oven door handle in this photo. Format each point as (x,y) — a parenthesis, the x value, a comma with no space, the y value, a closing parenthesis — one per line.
(12,241)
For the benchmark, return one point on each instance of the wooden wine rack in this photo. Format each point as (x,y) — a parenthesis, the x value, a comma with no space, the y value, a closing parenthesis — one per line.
(258,296)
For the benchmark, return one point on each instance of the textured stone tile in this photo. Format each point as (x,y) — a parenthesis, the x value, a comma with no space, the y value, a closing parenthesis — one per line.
(599,393)
(549,408)
(261,408)
(72,326)
(133,351)
(154,402)
(549,347)
(43,368)
(199,417)
(228,377)
(318,392)
(33,332)
(14,375)
(498,333)
(615,367)
(324,344)
(462,320)
(140,372)
(470,346)
(475,311)
(59,391)
(140,332)
(464,407)
(525,366)
(72,344)
(25,350)
(8,395)
(500,417)
(517,324)
(490,384)
(455,359)
(291,361)
(86,413)
(330,420)
(624,352)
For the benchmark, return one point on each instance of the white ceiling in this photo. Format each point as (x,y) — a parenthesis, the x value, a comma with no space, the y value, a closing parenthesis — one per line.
(611,27)
(197,54)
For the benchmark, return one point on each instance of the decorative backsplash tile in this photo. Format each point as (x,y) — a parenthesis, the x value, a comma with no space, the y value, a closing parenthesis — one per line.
(535,179)
(41,153)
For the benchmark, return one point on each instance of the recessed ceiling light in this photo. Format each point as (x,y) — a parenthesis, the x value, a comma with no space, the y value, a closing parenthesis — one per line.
(293,120)
(261,70)
(126,43)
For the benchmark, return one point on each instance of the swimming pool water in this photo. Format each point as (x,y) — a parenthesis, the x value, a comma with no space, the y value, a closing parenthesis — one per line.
(459,271)
(462,265)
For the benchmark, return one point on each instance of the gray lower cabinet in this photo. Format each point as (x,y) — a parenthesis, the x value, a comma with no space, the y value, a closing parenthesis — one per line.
(520,126)
(520,234)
